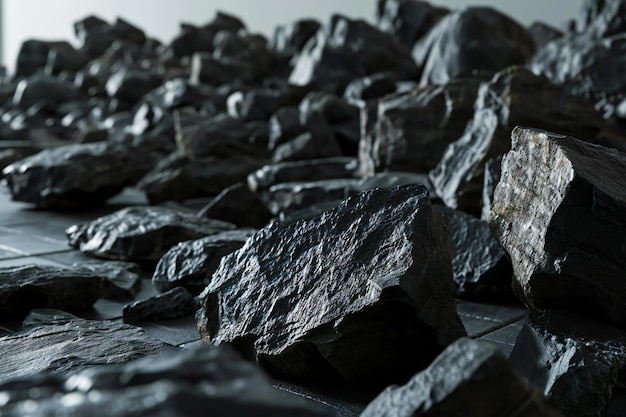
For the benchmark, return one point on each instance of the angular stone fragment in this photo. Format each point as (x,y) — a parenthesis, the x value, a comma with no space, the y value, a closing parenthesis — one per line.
(370,88)
(239,206)
(363,292)
(72,346)
(602,18)
(559,211)
(577,362)
(209,70)
(191,264)
(307,146)
(33,56)
(543,33)
(407,20)
(132,84)
(186,383)
(469,378)
(23,288)
(45,317)
(493,172)
(140,233)
(289,40)
(122,282)
(170,305)
(44,92)
(71,176)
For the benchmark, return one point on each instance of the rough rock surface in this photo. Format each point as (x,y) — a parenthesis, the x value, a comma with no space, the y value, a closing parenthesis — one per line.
(601,18)
(493,172)
(469,378)
(191,264)
(559,211)
(407,20)
(74,345)
(140,233)
(122,279)
(578,363)
(170,305)
(23,288)
(47,316)
(186,384)
(76,175)
(364,292)
(238,205)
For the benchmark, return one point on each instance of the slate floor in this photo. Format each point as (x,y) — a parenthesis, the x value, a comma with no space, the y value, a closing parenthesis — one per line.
(30,236)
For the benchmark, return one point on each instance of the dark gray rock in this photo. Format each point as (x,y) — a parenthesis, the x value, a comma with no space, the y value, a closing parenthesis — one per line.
(97,37)
(255,105)
(543,33)
(44,92)
(559,211)
(510,99)
(74,345)
(33,56)
(307,146)
(602,18)
(578,363)
(209,70)
(469,378)
(186,384)
(191,264)
(364,292)
(83,175)
(238,205)
(45,317)
(407,20)
(289,40)
(123,280)
(140,233)
(23,288)
(370,88)
(132,84)
(471,39)
(172,304)
(493,172)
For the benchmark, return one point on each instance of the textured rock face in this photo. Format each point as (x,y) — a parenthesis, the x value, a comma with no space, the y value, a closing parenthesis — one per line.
(510,99)
(191,264)
(407,20)
(23,288)
(473,38)
(140,233)
(559,212)
(469,378)
(578,363)
(122,280)
(74,345)
(602,18)
(186,383)
(364,292)
(170,305)
(76,175)
(238,205)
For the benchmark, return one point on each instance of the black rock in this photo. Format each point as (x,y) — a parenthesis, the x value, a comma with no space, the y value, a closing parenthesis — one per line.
(578,363)
(602,18)
(209,70)
(123,280)
(543,33)
(238,205)
(83,175)
(471,39)
(33,56)
(559,211)
(255,105)
(493,172)
(186,384)
(23,288)
(63,58)
(289,40)
(132,84)
(96,37)
(46,317)
(172,304)
(370,88)
(479,265)
(44,92)
(407,20)
(307,146)
(364,292)
(191,264)
(140,233)
(72,346)
(469,378)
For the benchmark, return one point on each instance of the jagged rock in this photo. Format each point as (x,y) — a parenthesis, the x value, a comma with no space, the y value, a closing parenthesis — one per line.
(510,99)
(290,123)
(370,88)
(578,363)
(140,233)
(364,292)
(493,172)
(191,264)
(469,378)
(407,20)
(122,282)
(345,49)
(83,175)
(45,92)
(239,206)
(170,305)
(23,288)
(289,40)
(602,18)
(543,33)
(132,84)
(471,39)
(208,70)
(78,344)
(410,131)
(33,56)
(186,383)
(255,105)
(307,146)
(479,265)
(559,211)
(96,39)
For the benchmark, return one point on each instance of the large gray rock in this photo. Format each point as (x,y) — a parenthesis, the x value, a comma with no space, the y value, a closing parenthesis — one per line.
(560,212)
(407,20)
(578,363)
(140,233)
(470,379)
(363,292)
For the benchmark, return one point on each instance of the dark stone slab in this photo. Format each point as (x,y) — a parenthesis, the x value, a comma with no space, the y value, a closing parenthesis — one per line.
(191,264)
(367,283)
(289,39)
(238,205)
(559,211)
(407,20)
(45,92)
(172,304)
(601,18)
(123,280)
(140,233)
(469,378)
(370,88)
(132,84)
(543,33)
(45,317)
(577,362)
(206,69)
(25,287)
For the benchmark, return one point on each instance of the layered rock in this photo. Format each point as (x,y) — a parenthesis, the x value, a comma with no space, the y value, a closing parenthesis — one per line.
(407,20)
(172,304)
(122,279)
(559,211)
(364,292)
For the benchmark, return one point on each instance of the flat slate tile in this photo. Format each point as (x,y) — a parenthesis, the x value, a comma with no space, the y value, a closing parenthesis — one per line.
(14,240)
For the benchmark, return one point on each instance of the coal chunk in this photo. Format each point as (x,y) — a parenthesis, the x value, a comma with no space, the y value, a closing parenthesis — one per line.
(370,88)
(172,304)
(577,362)
(45,92)
(122,279)
(23,288)
(363,292)
(559,212)
(238,205)
(469,378)
(140,233)
(407,20)
(289,40)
